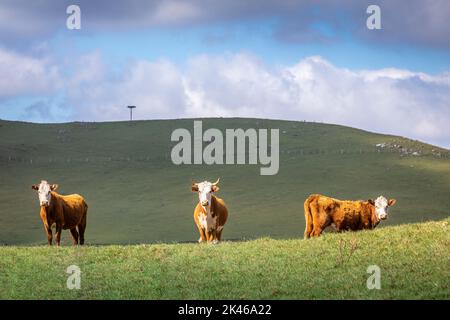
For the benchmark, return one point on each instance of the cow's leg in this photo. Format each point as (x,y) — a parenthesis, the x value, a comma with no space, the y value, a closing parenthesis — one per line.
(320,221)
(309,228)
(58,234)
(213,236)
(202,234)
(74,233)
(208,236)
(48,231)
(307,234)
(219,233)
(82,229)
(309,225)
(318,228)
(316,232)
(214,239)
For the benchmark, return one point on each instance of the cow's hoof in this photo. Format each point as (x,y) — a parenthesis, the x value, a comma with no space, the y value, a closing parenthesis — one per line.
(200,240)
(215,242)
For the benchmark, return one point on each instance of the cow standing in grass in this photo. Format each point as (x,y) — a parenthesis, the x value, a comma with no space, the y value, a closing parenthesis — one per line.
(322,211)
(210,214)
(65,212)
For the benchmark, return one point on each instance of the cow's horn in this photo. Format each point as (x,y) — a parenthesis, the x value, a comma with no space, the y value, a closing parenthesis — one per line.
(215,183)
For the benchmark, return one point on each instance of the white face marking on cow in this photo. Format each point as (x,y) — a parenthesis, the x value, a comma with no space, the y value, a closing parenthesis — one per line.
(381,205)
(207,219)
(204,192)
(44,192)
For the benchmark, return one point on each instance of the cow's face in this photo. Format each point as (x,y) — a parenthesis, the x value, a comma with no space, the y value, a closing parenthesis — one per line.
(44,190)
(205,190)
(381,206)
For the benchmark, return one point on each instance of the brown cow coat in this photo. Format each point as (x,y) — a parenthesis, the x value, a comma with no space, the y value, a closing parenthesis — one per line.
(65,212)
(218,215)
(322,211)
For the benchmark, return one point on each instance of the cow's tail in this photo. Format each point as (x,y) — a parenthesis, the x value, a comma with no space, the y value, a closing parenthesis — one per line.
(308,216)
(85,210)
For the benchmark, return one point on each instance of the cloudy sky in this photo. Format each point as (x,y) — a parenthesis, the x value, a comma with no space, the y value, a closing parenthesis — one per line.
(295,60)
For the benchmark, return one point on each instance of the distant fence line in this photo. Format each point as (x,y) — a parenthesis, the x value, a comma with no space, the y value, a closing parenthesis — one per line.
(166,157)
(81,159)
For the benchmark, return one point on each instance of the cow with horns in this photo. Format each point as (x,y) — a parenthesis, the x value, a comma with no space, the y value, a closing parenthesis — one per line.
(210,214)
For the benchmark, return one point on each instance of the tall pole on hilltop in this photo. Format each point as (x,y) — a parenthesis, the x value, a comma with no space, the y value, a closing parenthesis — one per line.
(131,112)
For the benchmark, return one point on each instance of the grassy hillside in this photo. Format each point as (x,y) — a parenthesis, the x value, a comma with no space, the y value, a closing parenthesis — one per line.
(413,260)
(136,195)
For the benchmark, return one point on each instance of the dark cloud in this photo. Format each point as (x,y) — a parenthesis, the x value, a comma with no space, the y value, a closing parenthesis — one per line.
(423,23)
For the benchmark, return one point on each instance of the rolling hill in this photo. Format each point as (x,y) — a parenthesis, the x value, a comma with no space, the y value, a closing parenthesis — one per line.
(137,195)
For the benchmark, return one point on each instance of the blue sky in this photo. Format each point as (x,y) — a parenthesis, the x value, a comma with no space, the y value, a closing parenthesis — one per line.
(296,60)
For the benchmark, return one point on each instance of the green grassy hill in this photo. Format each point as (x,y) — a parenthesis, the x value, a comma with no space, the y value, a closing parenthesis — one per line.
(136,195)
(413,261)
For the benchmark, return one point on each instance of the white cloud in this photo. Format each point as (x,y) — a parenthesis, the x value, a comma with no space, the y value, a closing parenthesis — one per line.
(22,74)
(95,94)
(401,102)
(233,85)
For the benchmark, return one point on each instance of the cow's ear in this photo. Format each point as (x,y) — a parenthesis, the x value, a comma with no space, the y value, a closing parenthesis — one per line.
(215,188)
(391,202)
(53,187)
(194,187)
(35,187)
(371,202)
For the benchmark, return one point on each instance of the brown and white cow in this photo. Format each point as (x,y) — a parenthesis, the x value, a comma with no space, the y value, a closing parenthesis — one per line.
(322,211)
(210,214)
(65,212)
